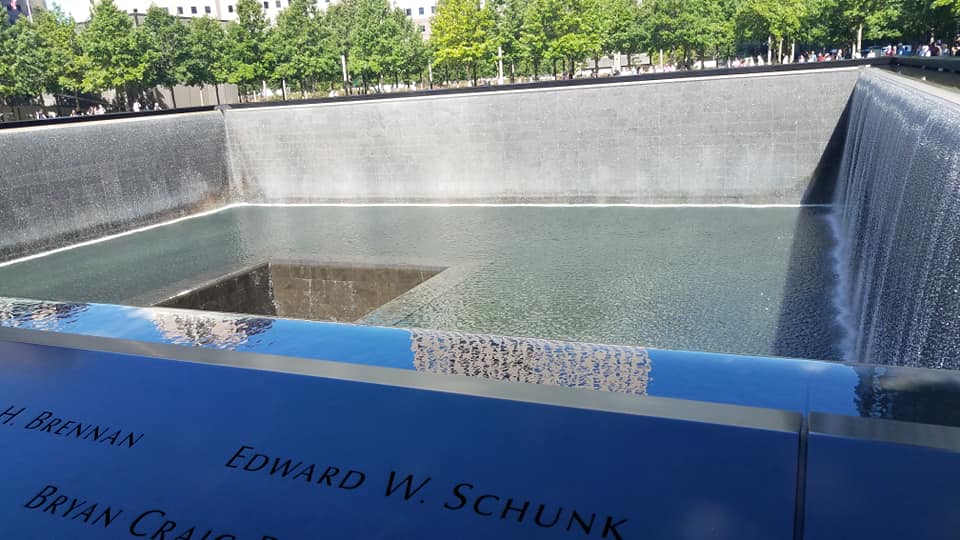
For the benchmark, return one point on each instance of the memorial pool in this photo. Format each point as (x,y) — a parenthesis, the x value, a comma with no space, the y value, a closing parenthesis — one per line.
(726,279)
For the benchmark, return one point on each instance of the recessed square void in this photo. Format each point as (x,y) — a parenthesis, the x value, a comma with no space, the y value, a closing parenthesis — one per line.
(319,292)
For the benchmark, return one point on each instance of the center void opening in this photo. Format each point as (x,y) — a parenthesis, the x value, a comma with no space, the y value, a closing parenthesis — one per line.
(319,292)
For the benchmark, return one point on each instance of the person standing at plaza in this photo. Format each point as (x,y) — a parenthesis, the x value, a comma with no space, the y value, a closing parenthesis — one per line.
(13,10)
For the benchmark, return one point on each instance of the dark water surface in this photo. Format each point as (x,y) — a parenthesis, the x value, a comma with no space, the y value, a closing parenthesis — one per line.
(739,280)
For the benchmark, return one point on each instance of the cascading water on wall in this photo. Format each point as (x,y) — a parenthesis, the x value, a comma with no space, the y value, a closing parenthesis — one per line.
(897,220)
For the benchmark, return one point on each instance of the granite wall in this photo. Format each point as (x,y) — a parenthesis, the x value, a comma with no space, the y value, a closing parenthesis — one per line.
(755,138)
(63,184)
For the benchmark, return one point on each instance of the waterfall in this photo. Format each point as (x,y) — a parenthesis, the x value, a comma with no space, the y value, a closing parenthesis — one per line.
(897,221)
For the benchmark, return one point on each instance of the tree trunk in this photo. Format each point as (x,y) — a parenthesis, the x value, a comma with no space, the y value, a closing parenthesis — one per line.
(780,51)
(173,97)
(216,89)
(793,50)
(859,37)
(769,48)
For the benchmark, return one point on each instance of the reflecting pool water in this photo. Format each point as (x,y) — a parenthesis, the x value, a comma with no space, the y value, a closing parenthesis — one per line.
(737,280)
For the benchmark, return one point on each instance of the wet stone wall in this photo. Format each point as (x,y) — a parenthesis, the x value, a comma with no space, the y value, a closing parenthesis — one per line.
(897,214)
(719,139)
(68,183)
(303,290)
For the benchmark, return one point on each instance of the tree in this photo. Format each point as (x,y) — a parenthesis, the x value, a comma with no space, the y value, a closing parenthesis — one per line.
(367,35)
(540,19)
(245,38)
(952,5)
(579,33)
(923,19)
(108,44)
(661,24)
(60,53)
(204,59)
(770,20)
(160,40)
(463,35)
(852,21)
(406,55)
(707,27)
(27,69)
(623,29)
(301,47)
(7,51)
(508,23)
(685,27)
(340,20)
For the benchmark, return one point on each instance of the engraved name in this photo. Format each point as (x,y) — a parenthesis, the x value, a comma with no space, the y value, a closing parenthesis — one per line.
(48,422)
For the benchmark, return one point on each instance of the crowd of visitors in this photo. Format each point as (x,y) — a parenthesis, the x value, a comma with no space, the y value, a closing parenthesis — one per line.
(935,47)
(939,48)
(96,110)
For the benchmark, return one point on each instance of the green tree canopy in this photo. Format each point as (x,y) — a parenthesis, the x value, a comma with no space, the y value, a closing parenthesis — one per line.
(23,78)
(770,20)
(7,51)
(580,29)
(204,60)
(60,53)
(110,49)
(161,41)
(301,47)
(245,39)
(925,19)
(952,5)
(852,21)
(538,30)
(341,19)
(508,24)
(405,53)
(463,35)
(623,30)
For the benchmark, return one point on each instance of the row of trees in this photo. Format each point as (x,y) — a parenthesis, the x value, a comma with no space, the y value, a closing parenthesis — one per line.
(364,43)
(305,50)
(472,36)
